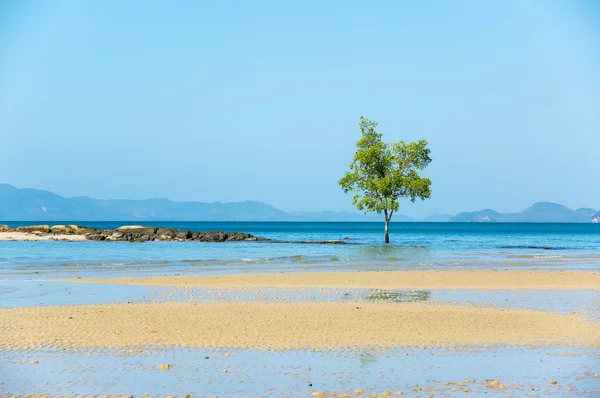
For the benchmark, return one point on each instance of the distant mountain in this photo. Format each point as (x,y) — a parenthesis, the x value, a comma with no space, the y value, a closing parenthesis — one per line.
(539,212)
(487,215)
(32,204)
(36,205)
(437,218)
(344,216)
(18,204)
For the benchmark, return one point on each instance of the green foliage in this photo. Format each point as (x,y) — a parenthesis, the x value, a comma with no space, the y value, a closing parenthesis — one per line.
(383,173)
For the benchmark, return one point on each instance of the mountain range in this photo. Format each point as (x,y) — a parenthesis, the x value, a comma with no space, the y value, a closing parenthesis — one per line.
(539,212)
(17,204)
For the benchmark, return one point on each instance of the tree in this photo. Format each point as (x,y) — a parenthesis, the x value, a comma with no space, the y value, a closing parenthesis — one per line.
(383,173)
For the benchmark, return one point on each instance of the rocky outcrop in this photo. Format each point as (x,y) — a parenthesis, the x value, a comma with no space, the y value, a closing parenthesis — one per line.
(137,233)
(58,229)
(136,229)
(34,228)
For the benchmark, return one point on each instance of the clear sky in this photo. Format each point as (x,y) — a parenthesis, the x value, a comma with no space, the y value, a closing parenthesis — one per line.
(232,101)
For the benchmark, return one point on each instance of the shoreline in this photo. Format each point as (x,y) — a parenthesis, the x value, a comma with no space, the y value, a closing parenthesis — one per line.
(351,325)
(431,279)
(32,237)
(125,233)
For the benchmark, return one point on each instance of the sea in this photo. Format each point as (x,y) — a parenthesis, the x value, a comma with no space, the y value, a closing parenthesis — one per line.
(413,246)
(34,274)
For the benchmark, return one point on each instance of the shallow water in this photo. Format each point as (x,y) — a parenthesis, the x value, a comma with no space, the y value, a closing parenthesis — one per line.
(414,246)
(206,372)
(29,274)
(48,293)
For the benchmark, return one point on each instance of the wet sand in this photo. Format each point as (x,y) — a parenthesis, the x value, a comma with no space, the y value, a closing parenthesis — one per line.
(288,326)
(434,279)
(26,236)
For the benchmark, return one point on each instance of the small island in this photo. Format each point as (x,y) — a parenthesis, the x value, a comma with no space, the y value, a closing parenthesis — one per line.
(127,233)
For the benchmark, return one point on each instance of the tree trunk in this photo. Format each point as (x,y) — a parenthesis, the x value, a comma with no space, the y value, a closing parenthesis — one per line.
(387,234)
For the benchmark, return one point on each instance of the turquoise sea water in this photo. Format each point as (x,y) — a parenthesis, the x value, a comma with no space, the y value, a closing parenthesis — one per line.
(414,246)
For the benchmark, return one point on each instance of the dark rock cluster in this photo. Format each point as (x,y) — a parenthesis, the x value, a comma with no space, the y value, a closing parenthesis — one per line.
(144,234)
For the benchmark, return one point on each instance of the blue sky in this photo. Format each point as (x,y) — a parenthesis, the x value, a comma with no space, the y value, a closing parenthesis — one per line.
(229,101)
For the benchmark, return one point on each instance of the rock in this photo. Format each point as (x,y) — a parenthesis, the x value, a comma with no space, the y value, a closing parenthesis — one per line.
(212,236)
(87,231)
(35,228)
(136,229)
(184,235)
(6,228)
(97,237)
(141,238)
(116,236)
(166,233)
(237,236)
(58,229)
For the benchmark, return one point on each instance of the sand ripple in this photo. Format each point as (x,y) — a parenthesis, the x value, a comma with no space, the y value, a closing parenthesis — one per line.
(288,325)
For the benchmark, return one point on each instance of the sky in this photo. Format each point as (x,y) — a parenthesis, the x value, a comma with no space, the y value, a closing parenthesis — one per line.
(234,100)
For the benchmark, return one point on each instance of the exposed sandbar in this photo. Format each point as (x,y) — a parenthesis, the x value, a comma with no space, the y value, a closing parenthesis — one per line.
(434,279)
(285,325)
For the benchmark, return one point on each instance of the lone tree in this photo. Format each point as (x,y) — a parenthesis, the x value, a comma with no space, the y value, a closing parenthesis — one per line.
(383,173)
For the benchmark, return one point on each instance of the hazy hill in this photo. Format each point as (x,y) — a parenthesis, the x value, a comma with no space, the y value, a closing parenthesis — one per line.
(36,205)
(539,212)
(344,216)
(18,204)
(437,218)
(32,204)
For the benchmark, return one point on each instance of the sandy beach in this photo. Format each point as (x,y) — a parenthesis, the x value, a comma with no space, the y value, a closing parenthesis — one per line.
(433,279)
(303,333)
(26,236)
(84,318)
(288,326)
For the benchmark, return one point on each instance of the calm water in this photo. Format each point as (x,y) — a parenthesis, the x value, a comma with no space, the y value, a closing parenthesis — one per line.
(414,245)
(29,274)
